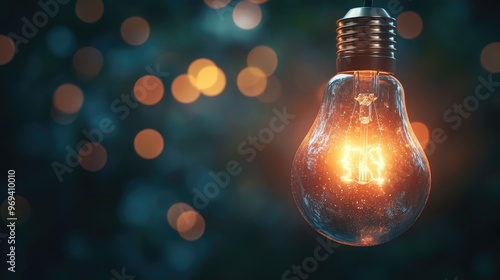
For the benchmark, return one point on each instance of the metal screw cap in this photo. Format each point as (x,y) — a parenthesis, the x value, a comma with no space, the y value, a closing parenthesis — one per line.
(366,41)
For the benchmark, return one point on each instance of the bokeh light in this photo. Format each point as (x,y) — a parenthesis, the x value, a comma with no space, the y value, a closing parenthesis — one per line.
(422,132)
(247,15)
(148,143)
(22,209)
(217,4)
(490,57)
(183,91)
(207,77)
(7,49)
(135,31)
(207,116)
(68,98)
(92,156)
(409,25)
(219,84)
(89,11)
(148,90)
(196,67)
(272,91)
(190,225)
(88,62)
(61,41)
(186,221)
(175,211)
(264,58)
(251,81)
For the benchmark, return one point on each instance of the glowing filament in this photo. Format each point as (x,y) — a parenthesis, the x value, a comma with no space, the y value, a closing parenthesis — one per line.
(363,165)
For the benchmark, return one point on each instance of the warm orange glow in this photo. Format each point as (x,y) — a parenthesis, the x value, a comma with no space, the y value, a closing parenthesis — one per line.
(7,49)
(135,31)
(367,240)
(409,25)
(363,162)
(148,90)
(218,86)
(92,156)
(422,133)
(247,15)
(272,91)
(207,77)
(183,91)
(196,67)
(251,81)
(359,176)
(88,62)
(320,91)
(89,10)
(148,143)
(217,4)
(68,98)
(186,221)
(264,58)
(190,225)
(490,57)
(363,165)
(175,211)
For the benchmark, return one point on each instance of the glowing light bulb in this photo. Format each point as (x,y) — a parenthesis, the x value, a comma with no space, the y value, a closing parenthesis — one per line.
(360,176)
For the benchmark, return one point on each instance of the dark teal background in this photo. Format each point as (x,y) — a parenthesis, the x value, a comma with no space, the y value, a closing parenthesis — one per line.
(78,229)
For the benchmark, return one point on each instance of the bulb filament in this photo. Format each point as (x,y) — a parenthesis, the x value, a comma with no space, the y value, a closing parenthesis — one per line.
(366,160)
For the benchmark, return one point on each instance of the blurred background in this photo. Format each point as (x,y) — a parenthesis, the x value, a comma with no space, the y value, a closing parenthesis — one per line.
(116,113)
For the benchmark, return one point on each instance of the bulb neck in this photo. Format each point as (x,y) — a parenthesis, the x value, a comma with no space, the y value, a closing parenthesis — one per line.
(366,41)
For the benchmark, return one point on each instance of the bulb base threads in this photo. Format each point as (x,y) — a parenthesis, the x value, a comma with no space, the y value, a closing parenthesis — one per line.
(366,41)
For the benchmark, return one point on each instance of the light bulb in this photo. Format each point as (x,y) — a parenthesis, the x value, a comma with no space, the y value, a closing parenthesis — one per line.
(360,176)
